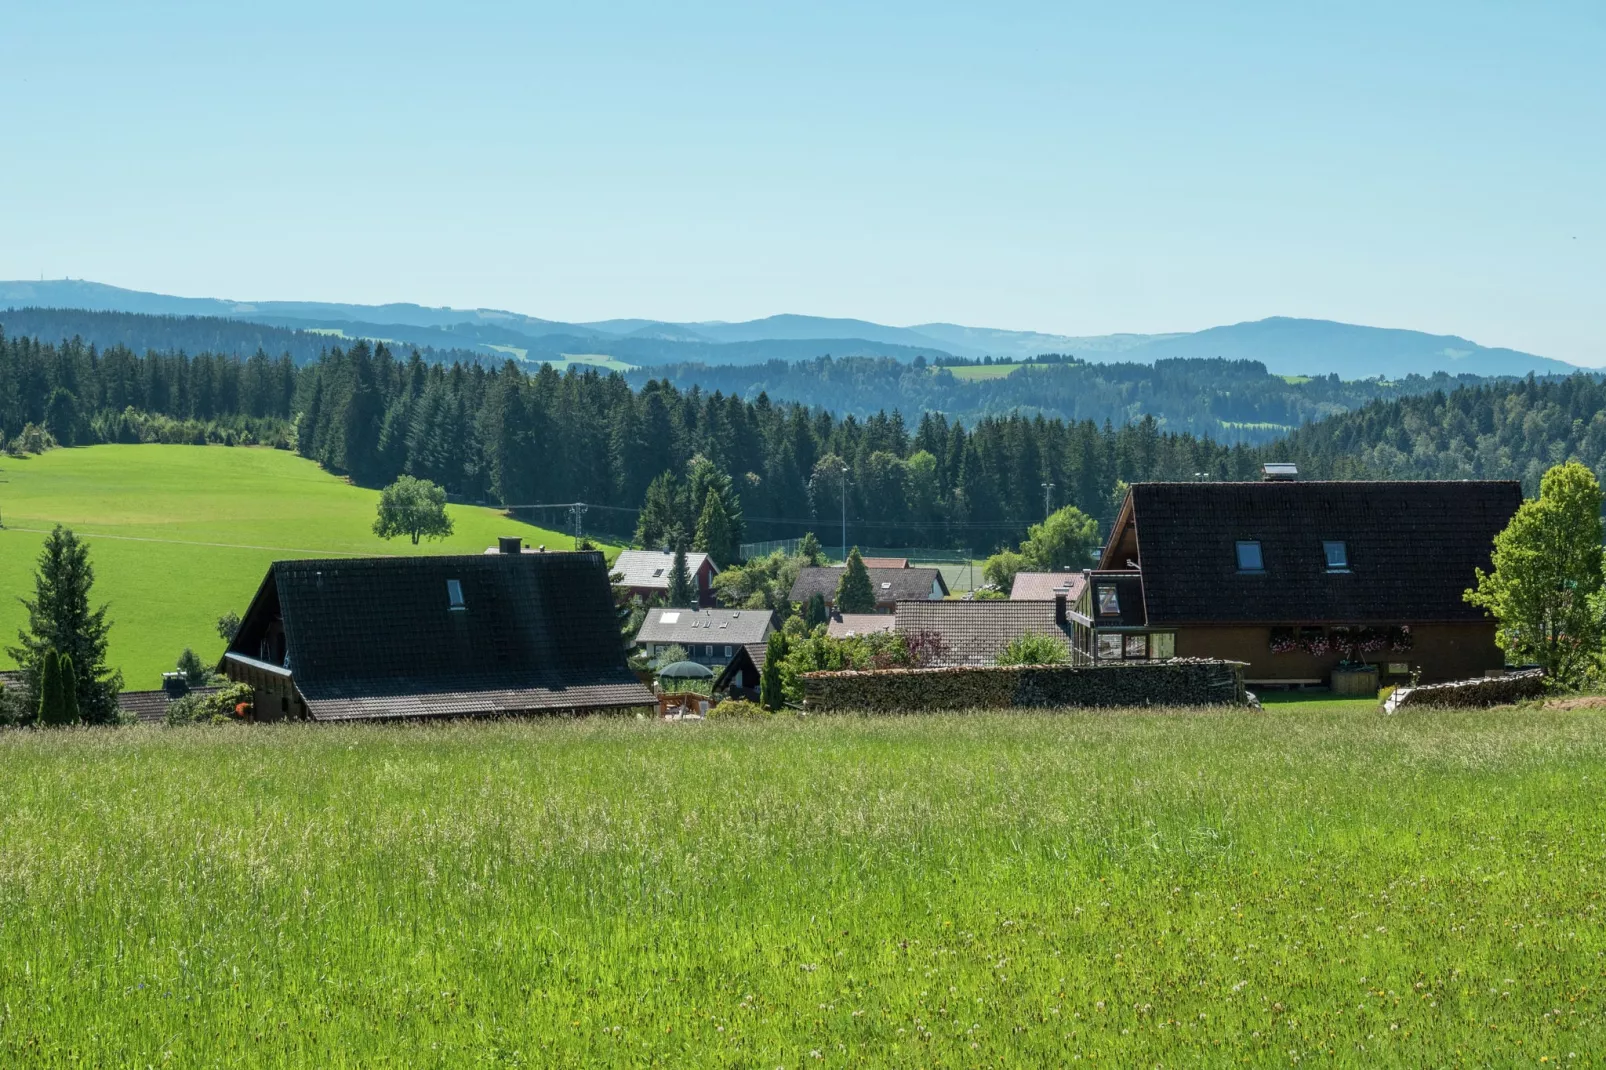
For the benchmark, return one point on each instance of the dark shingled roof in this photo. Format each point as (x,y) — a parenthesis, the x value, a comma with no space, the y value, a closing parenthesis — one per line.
(1412,548)
(748,654)
(976,632)
(903,584)
(377,637)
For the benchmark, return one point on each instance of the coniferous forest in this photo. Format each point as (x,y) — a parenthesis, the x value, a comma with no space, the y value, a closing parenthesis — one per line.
(534,441)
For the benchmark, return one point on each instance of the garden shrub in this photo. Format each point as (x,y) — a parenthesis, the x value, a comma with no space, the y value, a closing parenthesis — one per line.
(219,707)
(737,709)
(1035,648)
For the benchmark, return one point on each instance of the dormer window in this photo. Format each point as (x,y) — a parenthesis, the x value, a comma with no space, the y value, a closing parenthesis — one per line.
(1337,555)
(1249,559)
(454,594)
(1109,605)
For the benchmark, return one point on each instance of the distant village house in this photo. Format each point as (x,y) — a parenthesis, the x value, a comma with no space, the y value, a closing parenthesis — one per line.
(645,573)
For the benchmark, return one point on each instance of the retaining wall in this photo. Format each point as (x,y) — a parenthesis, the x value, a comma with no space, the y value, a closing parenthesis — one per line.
(1178,682)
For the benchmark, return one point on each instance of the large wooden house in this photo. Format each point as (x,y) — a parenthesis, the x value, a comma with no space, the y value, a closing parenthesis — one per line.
(400,637)
(1294,577)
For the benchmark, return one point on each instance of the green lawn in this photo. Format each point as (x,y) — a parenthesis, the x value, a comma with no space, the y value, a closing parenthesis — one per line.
(181,534)
(600,361)
(1137,889)
(984,371)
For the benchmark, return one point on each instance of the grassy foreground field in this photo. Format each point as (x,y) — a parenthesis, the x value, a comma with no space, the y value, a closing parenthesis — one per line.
(1128,889)
(179,535)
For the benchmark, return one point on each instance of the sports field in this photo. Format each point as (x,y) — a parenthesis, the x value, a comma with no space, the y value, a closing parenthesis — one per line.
(1307,885)
(179,535)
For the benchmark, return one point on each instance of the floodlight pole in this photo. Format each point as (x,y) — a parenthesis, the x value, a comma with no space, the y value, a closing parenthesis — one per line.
(1048,490)
(577,511)
(844,514)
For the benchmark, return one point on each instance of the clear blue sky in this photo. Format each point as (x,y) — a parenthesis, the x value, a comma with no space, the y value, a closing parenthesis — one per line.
(1058,167)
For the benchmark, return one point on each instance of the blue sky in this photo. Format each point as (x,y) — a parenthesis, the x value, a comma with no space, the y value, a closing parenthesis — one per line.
(1066,168)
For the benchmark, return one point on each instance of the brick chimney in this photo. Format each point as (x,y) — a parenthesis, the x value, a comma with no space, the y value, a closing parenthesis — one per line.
(510,544)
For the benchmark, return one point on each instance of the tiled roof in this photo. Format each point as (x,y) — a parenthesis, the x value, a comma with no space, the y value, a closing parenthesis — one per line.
(885,562)
(650,568)
(1412,548)
(379,637)
(748,652)
(976,632)
(151,706)
(737,627)
(846,624)
(888,584)
(1044,586)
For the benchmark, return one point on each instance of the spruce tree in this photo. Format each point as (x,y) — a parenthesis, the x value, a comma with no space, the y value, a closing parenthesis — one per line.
(814,612)
(714,531)
(854,593)
(49,688)
(60,620)
(682,595)
(67,703)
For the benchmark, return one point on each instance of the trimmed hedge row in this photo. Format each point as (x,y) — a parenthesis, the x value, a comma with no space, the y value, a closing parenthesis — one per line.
(1178,682)
(1487,691)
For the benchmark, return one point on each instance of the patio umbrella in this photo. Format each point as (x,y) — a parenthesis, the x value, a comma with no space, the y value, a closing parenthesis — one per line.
(685,670)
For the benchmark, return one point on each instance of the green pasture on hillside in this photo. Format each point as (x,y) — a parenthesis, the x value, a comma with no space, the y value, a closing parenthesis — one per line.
(1324,887)
(179,535)
(984,371)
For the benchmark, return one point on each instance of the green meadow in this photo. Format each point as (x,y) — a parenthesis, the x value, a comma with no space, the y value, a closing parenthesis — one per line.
(1311,885)
(179,535)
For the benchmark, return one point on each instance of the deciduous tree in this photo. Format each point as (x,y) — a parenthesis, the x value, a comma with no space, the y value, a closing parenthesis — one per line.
(1546,587)
(415,508)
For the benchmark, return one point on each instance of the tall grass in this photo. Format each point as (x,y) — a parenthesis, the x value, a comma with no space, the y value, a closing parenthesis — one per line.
(966,890)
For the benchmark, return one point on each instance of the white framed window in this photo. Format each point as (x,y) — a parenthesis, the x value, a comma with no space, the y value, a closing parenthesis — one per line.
(727,651)
(1337,555)
(708,651)
(1249,559)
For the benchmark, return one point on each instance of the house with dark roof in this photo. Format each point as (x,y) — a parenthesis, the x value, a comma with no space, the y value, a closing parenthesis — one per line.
(1295,576)
(1046,586)
(408,637)
(709,636)
(741,677)
(976,632)
(645,573)
(891,585)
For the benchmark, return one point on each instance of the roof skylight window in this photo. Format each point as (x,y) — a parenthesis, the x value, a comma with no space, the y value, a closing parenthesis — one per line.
(1337,555)
(1109,604)
(454,594)
(670,618)
(1249,559)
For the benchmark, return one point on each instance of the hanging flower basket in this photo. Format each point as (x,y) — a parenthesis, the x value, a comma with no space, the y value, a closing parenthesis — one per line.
(1283,641)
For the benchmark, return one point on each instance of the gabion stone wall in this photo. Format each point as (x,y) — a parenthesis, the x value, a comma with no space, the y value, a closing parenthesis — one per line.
(1487,691)
(1178,682)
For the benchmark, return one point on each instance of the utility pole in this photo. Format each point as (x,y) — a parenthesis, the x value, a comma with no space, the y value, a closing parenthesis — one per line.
(577,512)
(1048,491)
(844,514)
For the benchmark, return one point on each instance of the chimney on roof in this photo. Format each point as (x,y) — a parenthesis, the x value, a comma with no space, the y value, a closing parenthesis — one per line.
(1279,471)
(510,544)
(1059,608)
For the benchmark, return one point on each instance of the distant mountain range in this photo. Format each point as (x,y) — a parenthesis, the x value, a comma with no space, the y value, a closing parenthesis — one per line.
(1286,346)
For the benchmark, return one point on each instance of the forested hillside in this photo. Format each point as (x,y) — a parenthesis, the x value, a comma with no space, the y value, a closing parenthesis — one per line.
(1226,400)
(195,334)
(505,435)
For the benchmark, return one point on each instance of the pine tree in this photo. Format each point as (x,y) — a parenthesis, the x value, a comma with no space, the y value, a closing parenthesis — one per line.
(60,620)
(67,702)
(769,681)
(714,531)
(854,593)
(808,548)
(814,613)
(682,595)
(49,687)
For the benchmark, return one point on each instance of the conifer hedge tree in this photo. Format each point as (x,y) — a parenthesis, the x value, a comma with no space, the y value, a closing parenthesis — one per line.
(682,593)
(60,620)
(853,592)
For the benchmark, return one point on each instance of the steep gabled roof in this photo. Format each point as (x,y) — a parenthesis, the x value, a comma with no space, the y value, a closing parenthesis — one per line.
(887,584)
(378,637)
(650,568)
(1412,549)
(976,632)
